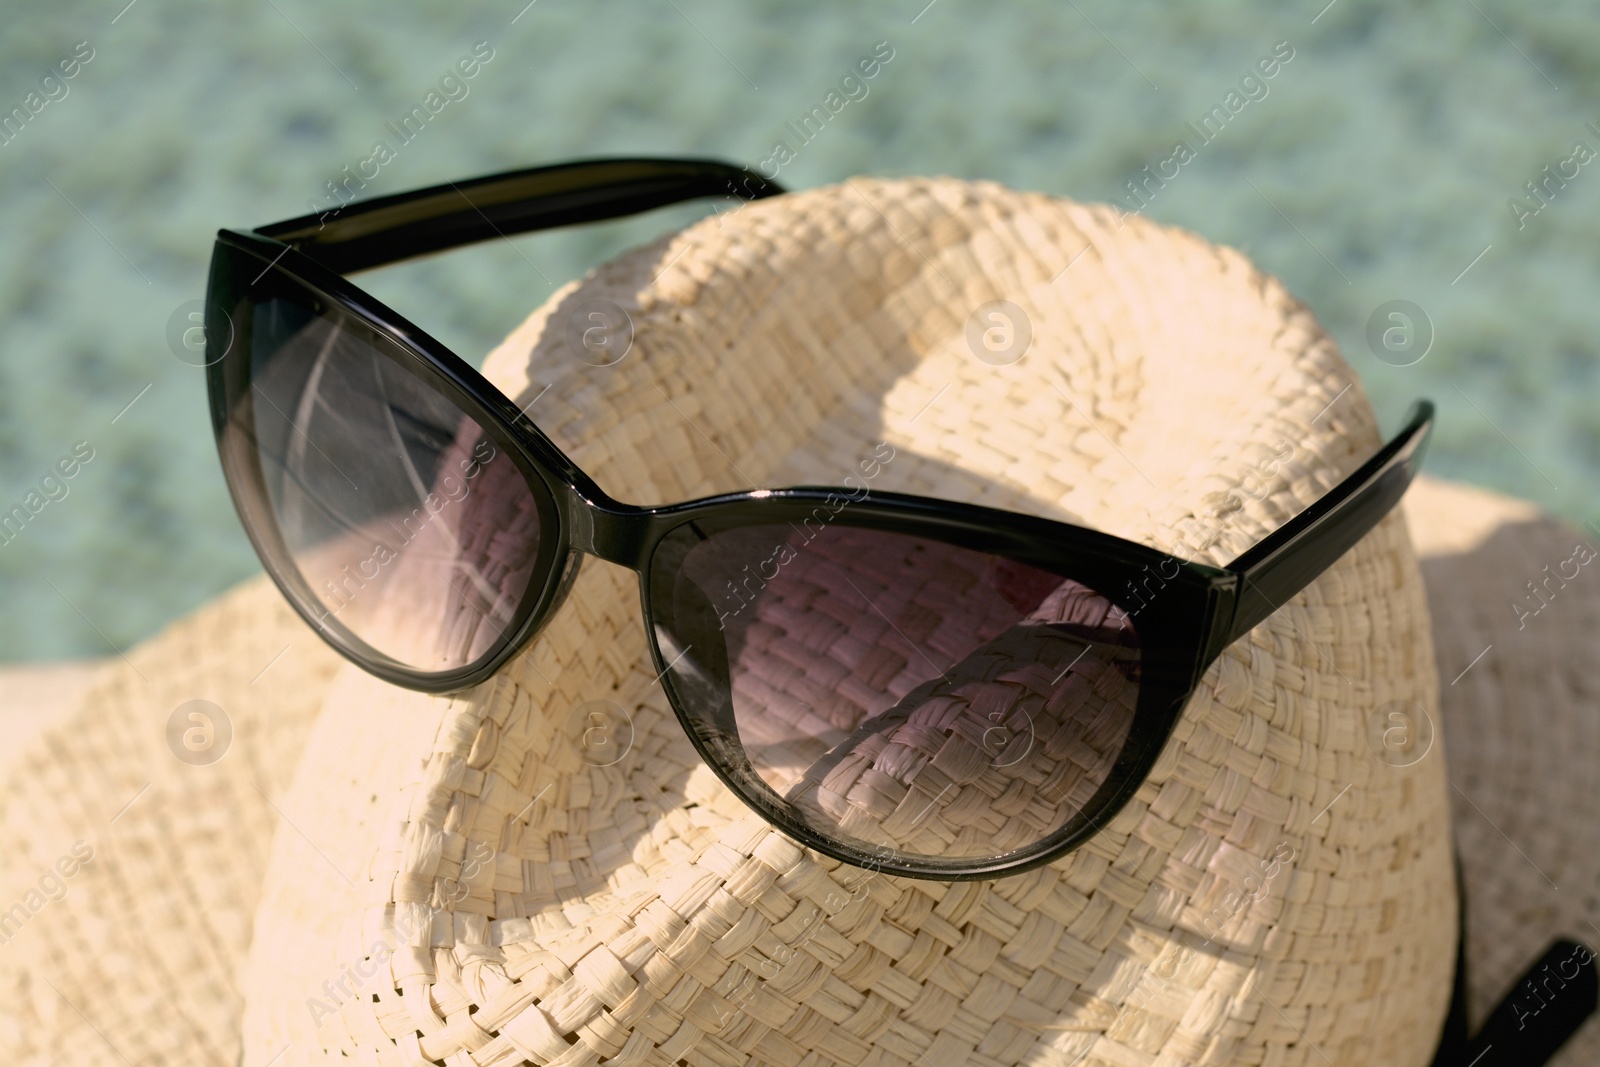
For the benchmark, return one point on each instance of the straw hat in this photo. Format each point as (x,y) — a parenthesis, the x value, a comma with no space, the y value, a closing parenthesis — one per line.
(541,870)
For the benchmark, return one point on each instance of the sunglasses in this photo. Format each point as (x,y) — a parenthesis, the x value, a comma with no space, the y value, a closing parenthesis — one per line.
(911,685)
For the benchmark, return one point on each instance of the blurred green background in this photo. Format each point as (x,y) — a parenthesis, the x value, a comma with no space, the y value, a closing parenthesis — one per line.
(1379,166)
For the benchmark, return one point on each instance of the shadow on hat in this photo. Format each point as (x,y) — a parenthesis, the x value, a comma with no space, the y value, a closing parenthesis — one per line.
(542,870)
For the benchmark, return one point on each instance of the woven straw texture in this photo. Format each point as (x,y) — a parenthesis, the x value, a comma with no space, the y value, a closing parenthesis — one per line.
(1521,706)
(485,880)
(135,956)
(1534,779)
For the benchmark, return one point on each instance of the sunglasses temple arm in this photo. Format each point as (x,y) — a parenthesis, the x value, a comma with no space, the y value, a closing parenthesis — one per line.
(361,234)
(1296,553)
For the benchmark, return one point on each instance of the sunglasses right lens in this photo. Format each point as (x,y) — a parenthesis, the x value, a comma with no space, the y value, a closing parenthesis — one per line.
(411,526)
(901,695)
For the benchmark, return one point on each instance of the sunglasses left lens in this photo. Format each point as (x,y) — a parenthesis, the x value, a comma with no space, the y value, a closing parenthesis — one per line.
(407,523)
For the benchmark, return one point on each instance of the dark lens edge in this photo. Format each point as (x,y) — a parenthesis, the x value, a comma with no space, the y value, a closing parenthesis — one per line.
(1155,718)
(246,485)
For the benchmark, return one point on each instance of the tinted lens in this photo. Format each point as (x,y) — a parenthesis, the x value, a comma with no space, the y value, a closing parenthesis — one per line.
(411,526)
(901,694)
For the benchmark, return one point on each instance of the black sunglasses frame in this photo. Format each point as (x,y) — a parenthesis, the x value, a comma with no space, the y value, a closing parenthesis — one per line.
(1198,612)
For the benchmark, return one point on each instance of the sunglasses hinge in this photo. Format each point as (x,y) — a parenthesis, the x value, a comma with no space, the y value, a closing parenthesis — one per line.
(613,532)
(1222,605)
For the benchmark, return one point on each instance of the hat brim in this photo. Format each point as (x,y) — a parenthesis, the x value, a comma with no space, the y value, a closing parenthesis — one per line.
(1519,703)
(1519,693)
(129,876)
